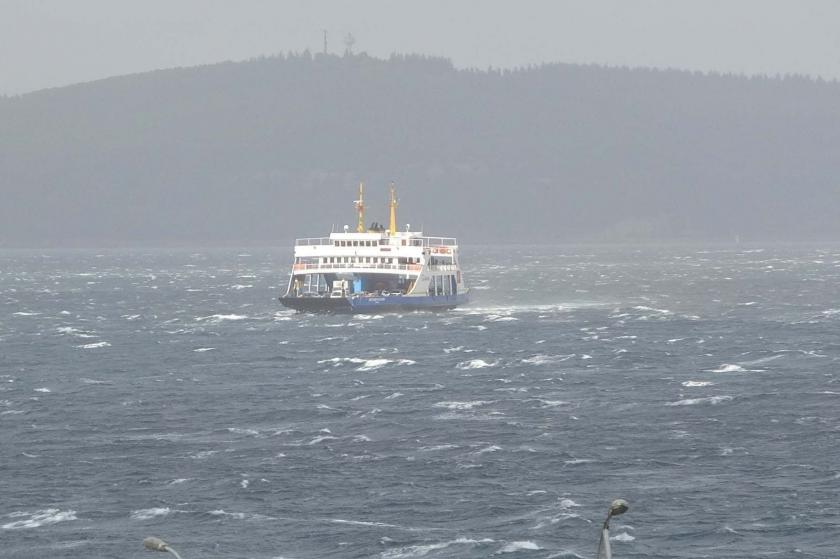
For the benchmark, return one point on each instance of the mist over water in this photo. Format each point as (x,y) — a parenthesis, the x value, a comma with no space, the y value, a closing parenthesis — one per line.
(167,393)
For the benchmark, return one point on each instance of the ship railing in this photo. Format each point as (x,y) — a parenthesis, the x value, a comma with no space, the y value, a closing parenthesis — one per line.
(301,267)
(443,268)
(420,241)
(313,241)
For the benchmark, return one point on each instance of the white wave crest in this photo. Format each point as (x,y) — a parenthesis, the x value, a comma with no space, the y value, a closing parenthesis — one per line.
(475,364)
(541,359)
(697,383)
(728,368)
(38,518)
(422,550)
(321,438)
(217,318)
(220,512)
(651,309)
(499,318)
(203,349)
(373,364)
(43,390)
(462,405)
(240,431)
(95,345)
(622,537)
(146,514)
(366,364)
(713,400)
(762,360)
(513,547)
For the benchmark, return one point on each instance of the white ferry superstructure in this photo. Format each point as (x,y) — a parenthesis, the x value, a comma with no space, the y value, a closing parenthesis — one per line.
(375,269)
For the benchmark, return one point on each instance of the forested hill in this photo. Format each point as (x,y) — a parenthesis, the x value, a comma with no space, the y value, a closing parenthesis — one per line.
(273,148)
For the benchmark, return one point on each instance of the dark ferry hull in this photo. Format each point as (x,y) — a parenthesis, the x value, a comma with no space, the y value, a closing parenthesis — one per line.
(370,305)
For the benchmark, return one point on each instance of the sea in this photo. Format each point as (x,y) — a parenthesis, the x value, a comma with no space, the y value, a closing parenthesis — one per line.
(167,393)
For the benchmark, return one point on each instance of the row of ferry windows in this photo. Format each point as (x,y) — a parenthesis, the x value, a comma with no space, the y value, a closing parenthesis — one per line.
(360,243)
(414,242)
(367,260)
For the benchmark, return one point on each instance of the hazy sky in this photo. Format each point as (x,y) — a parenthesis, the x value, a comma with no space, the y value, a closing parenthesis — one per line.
(56,42)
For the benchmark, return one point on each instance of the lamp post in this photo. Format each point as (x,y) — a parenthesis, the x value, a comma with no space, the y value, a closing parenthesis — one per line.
(619,506)
(157,544)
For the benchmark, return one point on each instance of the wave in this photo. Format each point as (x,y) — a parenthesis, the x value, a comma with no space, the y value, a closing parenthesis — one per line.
(366,364)
(220,512)
(43,390)
(203,349)
(761,360)
(513,547)
(697,383)
(622,537)
(713,400)
(462,405)
(361,523)
(728,368)
(424,549)
(499,318)
(70,331)
(373,364)
(146,514)
(85,380)
(321,438)
(475,364)
(240,431)
(551,403)
(38,518)
(217,318)
(651,309)
(541,359)
(95,345)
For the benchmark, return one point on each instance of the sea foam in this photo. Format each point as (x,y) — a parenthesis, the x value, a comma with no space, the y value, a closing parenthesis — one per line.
(513,547)
(38,518)
(474,364)
(713,400)
(146,514)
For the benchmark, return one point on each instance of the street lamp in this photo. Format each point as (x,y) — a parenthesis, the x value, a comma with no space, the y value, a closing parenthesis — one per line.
(619,506)
(157,544)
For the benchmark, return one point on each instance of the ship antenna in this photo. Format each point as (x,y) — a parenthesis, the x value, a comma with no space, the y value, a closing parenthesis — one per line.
(360,207)
(392,205)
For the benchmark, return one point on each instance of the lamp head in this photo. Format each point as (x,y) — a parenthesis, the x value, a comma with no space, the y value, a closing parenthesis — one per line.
(619,506)
(155,544)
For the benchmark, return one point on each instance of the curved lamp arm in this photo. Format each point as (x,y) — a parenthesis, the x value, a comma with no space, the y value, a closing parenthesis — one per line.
(619,506)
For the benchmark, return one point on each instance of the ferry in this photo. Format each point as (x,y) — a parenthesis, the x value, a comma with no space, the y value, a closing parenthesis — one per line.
(375,269)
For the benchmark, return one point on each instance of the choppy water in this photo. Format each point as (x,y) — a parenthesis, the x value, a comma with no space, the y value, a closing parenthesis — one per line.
(166,393)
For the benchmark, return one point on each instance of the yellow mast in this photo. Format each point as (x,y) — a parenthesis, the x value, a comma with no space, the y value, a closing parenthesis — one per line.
(392,205)
(360,207)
